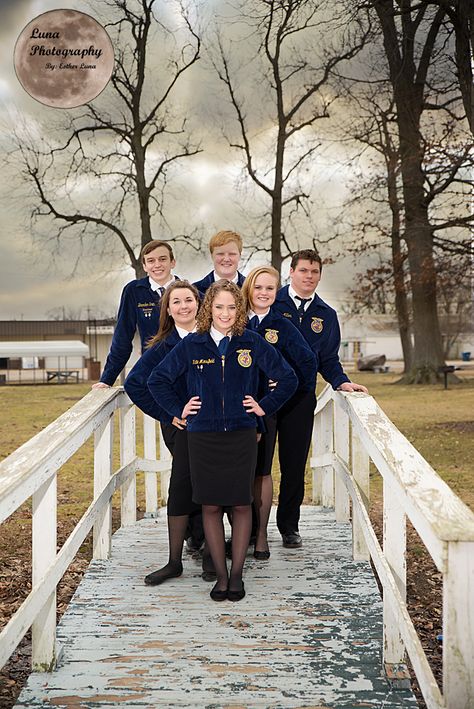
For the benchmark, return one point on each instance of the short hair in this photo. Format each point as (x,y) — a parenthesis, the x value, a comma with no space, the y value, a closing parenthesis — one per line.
(204,318)
(152,245)
(224,237)
(166,320)
(306,255)
(249,282)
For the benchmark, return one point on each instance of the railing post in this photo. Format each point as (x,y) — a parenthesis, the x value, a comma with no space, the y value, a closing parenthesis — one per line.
(149,449)
(102,535)
(128,500)
(394,546)
(44,534)
(360,472)
(165,455)
(326,445)
(341,446)
(458,626)
(316,472)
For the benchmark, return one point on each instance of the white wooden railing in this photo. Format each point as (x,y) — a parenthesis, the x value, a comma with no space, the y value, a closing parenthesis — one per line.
(31,472)
(349,431)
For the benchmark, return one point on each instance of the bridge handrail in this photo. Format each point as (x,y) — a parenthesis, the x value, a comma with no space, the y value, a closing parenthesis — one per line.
(31,471)
(350,430)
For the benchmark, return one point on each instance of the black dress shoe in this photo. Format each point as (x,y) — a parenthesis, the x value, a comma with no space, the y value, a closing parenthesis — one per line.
(193,545)
(292,540)
(170,571)
(261,555)
(228,548)
(208,576)
(236,595)
(218,595)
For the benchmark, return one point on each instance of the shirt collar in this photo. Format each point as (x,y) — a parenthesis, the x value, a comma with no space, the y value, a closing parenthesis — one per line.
(216,335)
(182,332)
(232,280)
(260,316)
(293,295)
(156,286)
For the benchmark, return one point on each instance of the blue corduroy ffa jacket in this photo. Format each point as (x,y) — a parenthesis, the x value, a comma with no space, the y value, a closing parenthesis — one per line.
(320,328)
(139,308)
(208,280)
(136,382)
(222,382)
(288,340)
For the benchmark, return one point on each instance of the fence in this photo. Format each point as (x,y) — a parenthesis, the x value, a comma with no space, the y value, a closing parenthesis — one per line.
(350,430)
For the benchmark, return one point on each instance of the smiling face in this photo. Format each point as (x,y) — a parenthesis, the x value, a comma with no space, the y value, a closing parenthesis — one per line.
(226,260)
(224,312)
(263,293)
(182,307)
(158,264)
(305,277)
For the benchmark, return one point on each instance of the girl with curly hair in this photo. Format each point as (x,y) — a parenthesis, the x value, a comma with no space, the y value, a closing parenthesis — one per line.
(222,363)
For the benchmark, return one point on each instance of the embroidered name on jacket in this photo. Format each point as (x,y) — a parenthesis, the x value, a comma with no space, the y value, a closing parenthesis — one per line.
(147,308)
(244,358)
(204,361)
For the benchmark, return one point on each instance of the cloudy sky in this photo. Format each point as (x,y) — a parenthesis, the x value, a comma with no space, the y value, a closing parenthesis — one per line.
(208,194)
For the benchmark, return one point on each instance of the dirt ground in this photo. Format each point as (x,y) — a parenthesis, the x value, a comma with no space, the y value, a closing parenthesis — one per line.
(439,423)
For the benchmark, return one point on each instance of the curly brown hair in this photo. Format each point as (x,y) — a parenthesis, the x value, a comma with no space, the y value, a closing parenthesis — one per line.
(204,318)
(166,321)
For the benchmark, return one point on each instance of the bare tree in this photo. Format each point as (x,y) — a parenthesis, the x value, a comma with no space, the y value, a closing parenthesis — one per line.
(292,48)
(122,147)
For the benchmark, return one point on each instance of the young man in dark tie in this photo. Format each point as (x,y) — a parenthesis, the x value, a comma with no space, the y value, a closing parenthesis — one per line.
(318,323)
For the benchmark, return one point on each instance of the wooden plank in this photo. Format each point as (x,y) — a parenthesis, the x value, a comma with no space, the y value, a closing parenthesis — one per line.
(128,493)
(151,482)
(360,472)
(103,444)
(342,449)
(308,633)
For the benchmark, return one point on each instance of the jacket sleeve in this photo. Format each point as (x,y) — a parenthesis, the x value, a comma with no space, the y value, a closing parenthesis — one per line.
(162,380)
(122,341)
(137,388)
(301,357)
(329,362)
(275,367)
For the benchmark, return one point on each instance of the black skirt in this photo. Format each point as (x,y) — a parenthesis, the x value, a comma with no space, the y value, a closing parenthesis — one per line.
(223,466)
(180,494)
(266,447)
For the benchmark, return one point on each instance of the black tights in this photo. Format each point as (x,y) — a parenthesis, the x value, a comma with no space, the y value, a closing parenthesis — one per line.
(176,532)
(215,538)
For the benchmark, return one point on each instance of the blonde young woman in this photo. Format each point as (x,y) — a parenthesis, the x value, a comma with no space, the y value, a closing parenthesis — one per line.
(259,291)
(222,363)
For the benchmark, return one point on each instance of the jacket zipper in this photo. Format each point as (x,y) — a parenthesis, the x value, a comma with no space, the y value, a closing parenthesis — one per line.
(223,414)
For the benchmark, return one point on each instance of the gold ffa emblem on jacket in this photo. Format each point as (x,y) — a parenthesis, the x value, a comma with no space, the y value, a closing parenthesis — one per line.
(317,324)
(244,358)
(271,336)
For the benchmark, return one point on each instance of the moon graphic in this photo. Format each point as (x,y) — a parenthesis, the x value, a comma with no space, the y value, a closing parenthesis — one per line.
(63,58)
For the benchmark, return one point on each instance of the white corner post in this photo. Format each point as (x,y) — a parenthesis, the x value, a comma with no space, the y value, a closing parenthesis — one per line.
(326,446)
(165,457)
(44,534)
(394,546)
(458,626)
(128,499)
(341,446)
(360,472)
(102,534)
(316,471)
(149,449)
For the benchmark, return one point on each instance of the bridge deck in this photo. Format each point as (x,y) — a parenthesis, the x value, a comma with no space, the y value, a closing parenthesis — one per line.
(308,633)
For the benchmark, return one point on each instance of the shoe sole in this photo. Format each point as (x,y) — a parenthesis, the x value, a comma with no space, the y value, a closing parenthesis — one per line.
(293,546)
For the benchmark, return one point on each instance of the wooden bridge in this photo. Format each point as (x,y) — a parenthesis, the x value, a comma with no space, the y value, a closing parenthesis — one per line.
(312,630)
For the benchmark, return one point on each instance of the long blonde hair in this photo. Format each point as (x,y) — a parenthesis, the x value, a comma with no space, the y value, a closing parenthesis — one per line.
(249,283)
(204,318)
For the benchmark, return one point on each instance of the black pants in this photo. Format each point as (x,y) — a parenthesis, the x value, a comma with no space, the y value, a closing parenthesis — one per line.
(295,426)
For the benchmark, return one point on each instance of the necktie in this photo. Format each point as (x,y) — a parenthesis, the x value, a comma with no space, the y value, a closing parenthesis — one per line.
(222,346)
(161,290)
(303,302)
(254,322)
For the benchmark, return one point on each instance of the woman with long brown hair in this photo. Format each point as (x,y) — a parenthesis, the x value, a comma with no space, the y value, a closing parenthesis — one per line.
(222,362)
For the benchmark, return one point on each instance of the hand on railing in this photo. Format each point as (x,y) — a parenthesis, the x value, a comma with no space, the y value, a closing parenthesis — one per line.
(100,385)
(352,386)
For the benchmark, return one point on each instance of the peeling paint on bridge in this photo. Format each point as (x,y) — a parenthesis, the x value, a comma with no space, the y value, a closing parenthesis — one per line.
(308,634)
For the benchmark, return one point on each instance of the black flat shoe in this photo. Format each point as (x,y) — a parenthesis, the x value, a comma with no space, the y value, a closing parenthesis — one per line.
(236,595)
(218,595)
(261,555)
(208,576)
(170,571)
